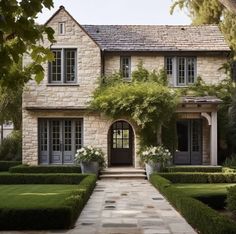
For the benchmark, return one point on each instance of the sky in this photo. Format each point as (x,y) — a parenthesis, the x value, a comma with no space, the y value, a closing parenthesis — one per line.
(119,12)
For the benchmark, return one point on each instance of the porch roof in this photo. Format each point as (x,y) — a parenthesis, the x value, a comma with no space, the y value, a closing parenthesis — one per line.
(200,100)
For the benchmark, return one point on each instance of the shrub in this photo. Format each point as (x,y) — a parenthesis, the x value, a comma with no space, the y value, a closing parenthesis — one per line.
(198,177)
(231,199)
(11,147)
(231,161)
(199,215)
(60,178)
(6,165)
(62,217)
(194,169)
(45,169)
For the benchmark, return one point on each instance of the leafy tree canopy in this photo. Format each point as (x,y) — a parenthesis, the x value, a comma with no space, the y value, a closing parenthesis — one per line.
(19,34)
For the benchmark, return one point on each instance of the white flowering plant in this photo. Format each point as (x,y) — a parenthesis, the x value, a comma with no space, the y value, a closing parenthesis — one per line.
(156,154)
(90,154)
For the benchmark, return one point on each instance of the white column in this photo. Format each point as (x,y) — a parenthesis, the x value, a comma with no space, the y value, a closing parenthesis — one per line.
(213,154)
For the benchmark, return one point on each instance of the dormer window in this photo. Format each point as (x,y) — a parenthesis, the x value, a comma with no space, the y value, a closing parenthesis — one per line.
(181,70)
(125,67)
(61,28)
(63,68)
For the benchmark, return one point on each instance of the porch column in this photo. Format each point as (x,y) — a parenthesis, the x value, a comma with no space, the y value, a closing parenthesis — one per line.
(213,153)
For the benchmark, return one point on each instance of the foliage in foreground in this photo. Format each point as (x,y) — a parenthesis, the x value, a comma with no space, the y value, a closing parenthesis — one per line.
(21,35)
(200,216)
(61,216)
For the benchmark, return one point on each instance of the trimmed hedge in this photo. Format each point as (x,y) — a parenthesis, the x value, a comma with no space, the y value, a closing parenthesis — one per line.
(62,178)
(199,215)
(194,169)
(63,217)
(231,199)
(198,177)
(45,169)
(5,165)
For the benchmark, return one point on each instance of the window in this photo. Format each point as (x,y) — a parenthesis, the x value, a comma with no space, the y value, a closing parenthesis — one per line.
(125,67)
(182,70)
(61,28)
(63,68)
(59,140)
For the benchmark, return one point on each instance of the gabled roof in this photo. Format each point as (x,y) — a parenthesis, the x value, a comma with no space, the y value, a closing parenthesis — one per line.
(157,37)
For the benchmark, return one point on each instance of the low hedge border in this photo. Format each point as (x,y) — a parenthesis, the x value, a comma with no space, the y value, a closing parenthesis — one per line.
(199,215)
(231,199)
(45,169)
(5,165)
(194,169)
(63,217)
(199,177)
(60,178)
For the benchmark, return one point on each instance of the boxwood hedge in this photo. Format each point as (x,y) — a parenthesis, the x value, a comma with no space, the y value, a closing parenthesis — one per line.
(45,169)
(231,199)
(5,165)
(60,178)
(200,216)
(62,217)
(194,169)
(199,177)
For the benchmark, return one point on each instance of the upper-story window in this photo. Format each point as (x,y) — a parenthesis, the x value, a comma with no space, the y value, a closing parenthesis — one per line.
(125,67)
(182,70)
(63,68)
(61,28)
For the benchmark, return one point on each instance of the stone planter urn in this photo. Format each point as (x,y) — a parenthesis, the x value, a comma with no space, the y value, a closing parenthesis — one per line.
(151,168)
(90,167)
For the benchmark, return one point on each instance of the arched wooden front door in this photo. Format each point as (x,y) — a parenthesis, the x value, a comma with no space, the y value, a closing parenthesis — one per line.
(121,144)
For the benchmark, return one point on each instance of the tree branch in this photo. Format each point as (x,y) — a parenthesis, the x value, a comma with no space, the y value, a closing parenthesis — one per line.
(229,4)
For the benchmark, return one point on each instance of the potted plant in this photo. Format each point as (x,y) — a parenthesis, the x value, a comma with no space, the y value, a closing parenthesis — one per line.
(155,158)
(91,159)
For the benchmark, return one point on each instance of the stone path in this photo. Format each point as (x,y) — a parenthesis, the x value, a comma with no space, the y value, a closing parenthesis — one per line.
(127,207)
(131,207)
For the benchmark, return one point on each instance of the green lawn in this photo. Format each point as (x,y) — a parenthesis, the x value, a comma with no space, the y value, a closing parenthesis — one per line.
(34,196)
(196,190)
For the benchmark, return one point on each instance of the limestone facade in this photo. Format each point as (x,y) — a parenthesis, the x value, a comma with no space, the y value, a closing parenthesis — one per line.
(78,95)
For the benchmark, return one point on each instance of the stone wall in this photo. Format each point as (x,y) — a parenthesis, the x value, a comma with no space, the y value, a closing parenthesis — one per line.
(207,66)
(88,69)
(95,132)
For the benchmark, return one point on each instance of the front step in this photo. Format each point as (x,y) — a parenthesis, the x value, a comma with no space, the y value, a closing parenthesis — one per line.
(123,173)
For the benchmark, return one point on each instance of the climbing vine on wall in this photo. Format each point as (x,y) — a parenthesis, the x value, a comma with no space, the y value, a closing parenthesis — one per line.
(146,100)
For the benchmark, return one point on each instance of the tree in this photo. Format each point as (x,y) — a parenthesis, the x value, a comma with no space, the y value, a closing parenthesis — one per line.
(230,5)
(19,35)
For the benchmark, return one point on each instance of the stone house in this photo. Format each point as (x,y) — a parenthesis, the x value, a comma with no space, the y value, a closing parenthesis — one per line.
(56,115)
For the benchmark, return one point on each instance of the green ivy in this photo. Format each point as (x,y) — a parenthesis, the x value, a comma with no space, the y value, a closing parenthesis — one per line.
(146,100)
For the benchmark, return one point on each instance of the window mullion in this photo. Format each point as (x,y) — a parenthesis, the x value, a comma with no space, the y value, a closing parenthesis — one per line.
(63,66)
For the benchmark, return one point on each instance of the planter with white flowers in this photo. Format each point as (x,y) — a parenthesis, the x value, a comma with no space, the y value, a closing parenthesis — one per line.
(156,158)
(91,159)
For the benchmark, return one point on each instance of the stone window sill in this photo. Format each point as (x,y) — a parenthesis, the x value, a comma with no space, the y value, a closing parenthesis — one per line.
(62,85)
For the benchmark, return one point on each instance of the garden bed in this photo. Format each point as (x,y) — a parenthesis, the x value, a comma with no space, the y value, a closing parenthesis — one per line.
(47,206)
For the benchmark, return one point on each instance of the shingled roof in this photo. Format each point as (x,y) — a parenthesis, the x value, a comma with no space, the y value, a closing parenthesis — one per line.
(157,37)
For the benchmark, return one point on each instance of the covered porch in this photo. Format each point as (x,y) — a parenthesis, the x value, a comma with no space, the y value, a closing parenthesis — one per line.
(196,131)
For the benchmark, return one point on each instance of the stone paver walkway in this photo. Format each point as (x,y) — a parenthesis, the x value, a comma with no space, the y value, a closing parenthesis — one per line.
(127,207)
(131,207)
